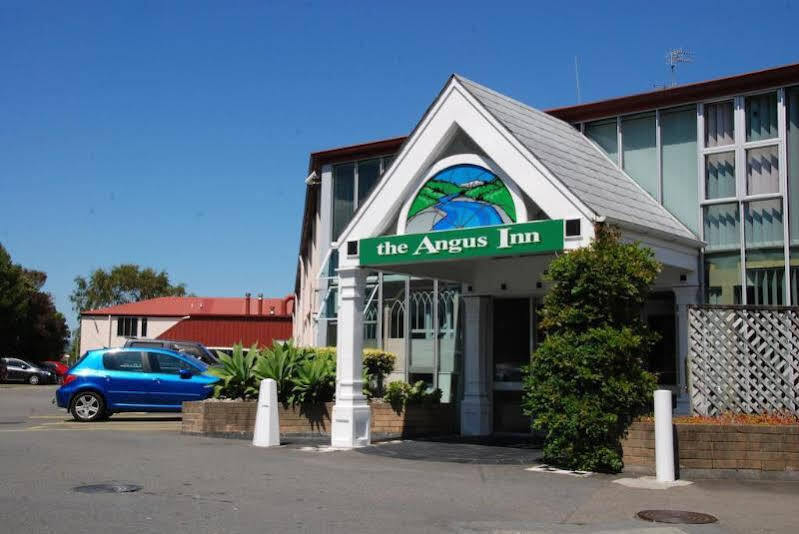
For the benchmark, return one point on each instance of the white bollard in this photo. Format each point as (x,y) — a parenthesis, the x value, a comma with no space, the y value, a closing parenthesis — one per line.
(267,425)
(664,437)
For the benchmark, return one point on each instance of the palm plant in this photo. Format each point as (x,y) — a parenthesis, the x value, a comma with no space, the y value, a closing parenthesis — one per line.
(237,374)
(315,380)
(279,362)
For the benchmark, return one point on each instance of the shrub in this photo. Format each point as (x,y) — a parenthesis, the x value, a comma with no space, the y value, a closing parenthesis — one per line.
(315,380)
(400,394)
(236,372)
(279,362)
(377,364)
(586,381)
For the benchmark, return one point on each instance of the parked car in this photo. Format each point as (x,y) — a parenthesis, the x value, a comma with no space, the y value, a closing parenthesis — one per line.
(108,381)
(58,368)
(18,370)
(192,348)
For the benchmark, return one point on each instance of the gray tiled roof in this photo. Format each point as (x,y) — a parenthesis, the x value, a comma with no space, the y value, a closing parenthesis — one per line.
(579,165)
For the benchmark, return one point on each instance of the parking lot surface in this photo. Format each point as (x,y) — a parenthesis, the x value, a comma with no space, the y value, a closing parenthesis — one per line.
(207,485)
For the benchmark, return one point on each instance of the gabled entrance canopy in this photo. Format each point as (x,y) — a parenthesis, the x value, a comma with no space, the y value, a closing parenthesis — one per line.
(541,175)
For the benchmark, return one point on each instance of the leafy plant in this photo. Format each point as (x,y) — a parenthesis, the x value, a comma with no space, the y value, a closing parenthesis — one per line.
(279,362)
(237,374)
(315,380)
(400,394)
(586,382)
(377,364)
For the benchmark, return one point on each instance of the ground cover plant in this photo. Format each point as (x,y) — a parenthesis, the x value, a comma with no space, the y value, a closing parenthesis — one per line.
(586,382)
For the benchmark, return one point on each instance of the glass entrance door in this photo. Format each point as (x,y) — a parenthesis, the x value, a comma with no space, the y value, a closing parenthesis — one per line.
(512,347)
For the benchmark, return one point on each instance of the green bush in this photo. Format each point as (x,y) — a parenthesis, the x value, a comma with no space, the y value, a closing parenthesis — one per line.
(279,362)
(238,379)
(377,365)
(586,382)
(315,380)
(400,394)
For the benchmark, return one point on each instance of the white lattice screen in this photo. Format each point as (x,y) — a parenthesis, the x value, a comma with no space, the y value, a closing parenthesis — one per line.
(743,359)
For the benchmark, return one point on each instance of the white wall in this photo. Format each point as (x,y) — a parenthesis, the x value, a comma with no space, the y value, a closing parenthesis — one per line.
(94,331)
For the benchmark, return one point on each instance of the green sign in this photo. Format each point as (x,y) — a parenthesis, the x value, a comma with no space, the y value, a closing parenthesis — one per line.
(504,240)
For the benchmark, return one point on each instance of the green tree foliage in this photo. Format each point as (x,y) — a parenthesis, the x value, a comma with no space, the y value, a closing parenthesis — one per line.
(377,365)
(30,325)
(586,382)
(120,285)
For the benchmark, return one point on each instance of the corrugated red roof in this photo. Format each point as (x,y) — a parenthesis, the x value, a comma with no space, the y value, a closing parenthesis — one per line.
(198,306)
(227,331)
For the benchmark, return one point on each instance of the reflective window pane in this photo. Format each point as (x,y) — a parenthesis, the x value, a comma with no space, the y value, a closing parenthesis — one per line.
(343,195)
(422,328)
(720,175)
(678,139)
(765,277)
(603,133)
(762,170)
(640,150)
(792,144)
(450,339)
(719,124)
(761,117)
(723,278)
(368,175)
(763,225)
(722,227)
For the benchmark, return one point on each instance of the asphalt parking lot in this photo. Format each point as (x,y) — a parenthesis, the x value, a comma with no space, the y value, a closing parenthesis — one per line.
(207,485)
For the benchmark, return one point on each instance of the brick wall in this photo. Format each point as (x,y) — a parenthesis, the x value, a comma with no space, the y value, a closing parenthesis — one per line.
(750,451)
(237,419)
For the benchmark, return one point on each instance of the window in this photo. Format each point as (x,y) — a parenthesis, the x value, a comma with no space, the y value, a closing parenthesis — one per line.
(720,175)
(792,145)
(166,364)
(144,327)
(638,135)
(743,171)
(678,160)
(127,326)
(352,183)
(604,134)
(123,361)
(719,124)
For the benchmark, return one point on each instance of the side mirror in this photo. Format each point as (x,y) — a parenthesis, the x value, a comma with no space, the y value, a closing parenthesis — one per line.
(185,374)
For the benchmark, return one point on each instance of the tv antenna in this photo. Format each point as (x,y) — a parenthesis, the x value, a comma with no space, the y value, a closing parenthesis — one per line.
(674,58)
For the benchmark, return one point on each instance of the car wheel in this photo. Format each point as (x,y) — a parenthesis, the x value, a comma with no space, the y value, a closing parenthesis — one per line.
(33,380)
(88,406)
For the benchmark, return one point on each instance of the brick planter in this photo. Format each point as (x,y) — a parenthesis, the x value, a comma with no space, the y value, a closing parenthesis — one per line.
(720,451)
(236,419)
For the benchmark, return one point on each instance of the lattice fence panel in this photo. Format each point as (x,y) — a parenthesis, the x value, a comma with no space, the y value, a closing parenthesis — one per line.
(743,359)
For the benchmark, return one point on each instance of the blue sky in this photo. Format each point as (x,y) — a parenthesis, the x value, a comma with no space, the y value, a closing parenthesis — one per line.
(176,134)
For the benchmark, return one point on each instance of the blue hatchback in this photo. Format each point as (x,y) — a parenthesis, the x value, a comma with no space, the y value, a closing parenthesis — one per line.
(107,381)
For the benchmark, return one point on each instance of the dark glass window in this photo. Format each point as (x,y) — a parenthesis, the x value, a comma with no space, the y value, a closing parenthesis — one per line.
(144,327)
(128,326)
(164,363)
(368,175)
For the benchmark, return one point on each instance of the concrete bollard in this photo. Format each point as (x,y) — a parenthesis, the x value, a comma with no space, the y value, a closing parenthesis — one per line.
(267,425)
(664,437)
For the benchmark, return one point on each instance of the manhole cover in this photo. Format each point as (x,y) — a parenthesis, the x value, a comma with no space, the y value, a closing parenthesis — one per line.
(676,517)
(108,488)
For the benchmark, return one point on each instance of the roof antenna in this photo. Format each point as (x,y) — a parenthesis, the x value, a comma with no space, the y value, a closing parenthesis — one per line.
(577,78)
(675,57)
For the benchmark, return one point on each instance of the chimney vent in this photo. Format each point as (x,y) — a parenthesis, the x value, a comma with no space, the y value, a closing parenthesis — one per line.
(246,304)
(260,303)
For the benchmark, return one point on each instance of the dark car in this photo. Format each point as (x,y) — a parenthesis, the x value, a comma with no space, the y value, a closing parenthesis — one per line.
(21,371)
(190,348)
(59,369)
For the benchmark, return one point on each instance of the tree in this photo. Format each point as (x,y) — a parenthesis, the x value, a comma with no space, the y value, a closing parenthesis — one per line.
(30,325)
(586,382)
(120,285)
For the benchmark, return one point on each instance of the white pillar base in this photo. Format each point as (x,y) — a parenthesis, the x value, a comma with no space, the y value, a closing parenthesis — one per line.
(476,416)
(351,426)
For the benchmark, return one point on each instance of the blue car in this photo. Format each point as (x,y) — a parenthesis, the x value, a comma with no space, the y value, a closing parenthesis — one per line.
(108,381)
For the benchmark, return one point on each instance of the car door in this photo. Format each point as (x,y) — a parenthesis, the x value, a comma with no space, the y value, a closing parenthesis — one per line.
(168,387)
(17,369)
(125,379)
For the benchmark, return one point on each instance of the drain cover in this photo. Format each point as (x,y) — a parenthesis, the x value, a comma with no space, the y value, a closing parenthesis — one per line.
(676,517)
(108,488)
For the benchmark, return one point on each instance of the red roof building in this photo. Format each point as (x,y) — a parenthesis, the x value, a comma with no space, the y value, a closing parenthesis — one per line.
(212,321)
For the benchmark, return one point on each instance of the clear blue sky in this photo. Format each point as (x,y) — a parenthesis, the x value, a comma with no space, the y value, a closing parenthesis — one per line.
(176,134)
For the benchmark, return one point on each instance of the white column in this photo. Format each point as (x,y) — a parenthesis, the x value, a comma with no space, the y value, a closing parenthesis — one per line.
(476,406)
(683,297)
(351,413)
